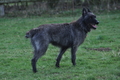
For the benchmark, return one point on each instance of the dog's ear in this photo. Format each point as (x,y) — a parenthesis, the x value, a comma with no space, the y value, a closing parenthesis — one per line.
(84,11)
(88,10)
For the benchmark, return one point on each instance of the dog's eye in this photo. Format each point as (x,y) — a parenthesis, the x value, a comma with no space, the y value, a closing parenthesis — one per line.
(94,16)
(91,17)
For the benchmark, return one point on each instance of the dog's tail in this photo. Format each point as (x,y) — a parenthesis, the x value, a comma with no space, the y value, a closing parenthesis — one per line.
(27,35)
(30,33)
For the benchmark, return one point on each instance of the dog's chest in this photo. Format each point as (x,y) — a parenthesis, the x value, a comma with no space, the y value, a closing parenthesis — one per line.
(79,38)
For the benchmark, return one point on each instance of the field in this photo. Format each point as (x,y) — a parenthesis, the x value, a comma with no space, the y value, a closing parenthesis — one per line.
(98,58)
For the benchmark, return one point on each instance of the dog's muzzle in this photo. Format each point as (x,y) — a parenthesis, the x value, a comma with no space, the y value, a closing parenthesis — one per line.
(94,25)
(97,22)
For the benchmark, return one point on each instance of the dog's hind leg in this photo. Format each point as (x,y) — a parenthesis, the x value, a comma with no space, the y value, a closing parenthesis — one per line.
(62,50)
(33,62)
(73,55)
(40,49)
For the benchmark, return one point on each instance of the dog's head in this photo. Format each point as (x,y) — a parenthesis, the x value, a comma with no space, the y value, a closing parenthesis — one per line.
(89,19)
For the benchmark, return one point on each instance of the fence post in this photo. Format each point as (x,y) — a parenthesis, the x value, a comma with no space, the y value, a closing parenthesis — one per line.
(2,12)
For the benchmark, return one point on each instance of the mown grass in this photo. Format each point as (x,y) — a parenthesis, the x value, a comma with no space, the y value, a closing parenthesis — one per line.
(16,51)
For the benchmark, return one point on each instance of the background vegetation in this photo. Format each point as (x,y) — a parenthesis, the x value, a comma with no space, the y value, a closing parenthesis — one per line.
(52,7)
(98,58)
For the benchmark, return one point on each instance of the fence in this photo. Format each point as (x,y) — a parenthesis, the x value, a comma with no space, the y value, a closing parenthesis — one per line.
(40,7)
(27,7)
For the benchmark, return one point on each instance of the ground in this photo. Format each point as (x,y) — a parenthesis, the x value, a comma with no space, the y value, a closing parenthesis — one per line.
(98,58)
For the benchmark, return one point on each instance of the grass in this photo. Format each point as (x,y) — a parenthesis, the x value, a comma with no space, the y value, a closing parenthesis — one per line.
(16,51)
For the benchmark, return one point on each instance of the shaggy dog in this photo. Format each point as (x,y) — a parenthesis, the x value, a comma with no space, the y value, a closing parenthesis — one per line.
(66,35)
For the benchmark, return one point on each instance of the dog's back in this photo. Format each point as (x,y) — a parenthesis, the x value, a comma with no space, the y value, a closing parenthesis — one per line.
(62,35)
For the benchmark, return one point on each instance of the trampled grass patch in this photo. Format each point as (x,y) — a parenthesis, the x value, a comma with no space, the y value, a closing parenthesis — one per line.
(16,51)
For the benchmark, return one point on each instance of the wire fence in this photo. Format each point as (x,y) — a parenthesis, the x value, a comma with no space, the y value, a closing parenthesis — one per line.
(50,7)
(26,8)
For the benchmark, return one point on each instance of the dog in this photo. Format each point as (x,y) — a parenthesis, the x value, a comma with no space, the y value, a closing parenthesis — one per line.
(66,35)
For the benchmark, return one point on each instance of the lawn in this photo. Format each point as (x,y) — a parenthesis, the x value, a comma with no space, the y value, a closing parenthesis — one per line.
(98,58)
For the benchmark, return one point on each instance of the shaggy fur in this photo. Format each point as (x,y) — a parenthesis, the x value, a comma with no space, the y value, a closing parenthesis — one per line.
(66,35)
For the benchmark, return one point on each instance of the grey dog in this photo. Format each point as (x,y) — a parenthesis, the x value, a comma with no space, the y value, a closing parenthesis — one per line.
(66,35)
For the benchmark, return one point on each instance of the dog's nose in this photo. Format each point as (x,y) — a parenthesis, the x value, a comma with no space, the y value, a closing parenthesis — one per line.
(97,22)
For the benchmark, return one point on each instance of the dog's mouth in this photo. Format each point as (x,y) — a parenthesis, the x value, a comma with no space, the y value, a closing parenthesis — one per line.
(94,26)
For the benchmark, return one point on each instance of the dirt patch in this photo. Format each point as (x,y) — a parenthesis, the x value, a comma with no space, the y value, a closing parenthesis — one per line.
(99,49)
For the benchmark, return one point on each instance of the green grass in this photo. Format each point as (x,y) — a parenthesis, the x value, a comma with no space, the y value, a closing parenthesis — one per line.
(16,51)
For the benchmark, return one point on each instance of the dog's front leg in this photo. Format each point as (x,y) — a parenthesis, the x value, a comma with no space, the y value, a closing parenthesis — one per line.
(73,55)
(62,50)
